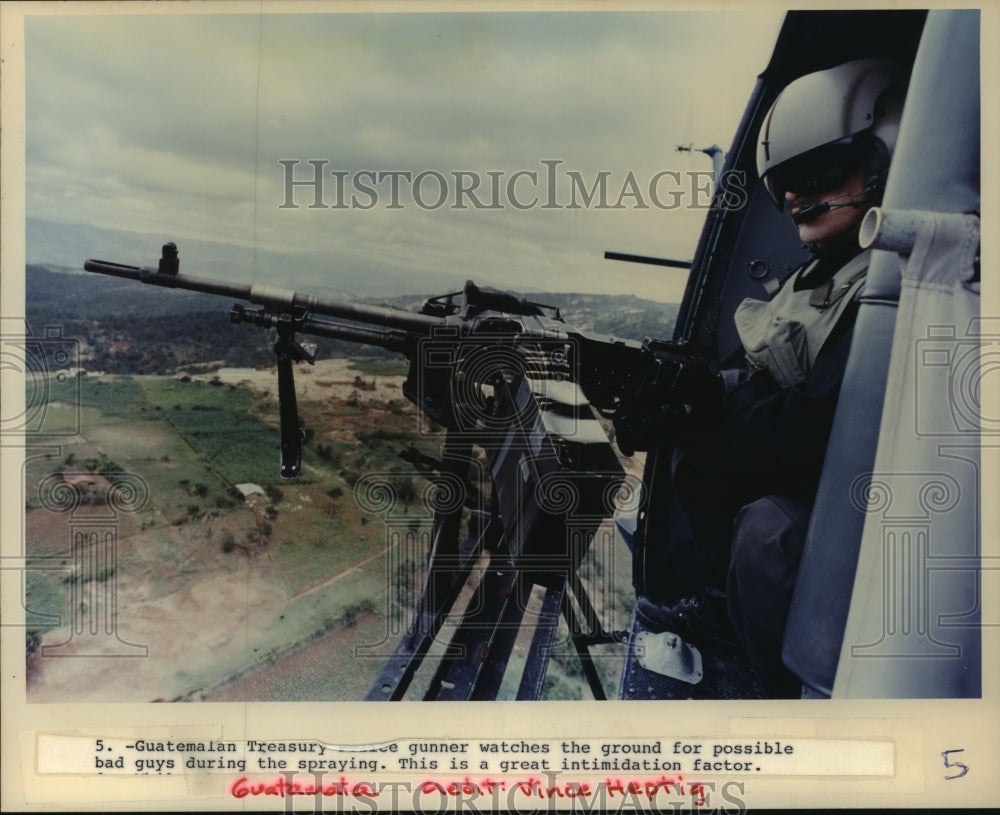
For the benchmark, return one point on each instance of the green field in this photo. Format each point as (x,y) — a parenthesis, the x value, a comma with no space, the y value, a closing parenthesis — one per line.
(218,424)
(190,442)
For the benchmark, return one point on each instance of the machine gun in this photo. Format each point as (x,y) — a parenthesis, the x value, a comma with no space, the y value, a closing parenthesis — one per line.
(507,376)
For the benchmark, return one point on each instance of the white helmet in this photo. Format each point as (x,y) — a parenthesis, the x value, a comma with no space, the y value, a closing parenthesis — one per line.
(854,108)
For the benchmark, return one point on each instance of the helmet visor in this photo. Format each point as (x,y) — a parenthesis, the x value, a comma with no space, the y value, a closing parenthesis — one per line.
(816,172)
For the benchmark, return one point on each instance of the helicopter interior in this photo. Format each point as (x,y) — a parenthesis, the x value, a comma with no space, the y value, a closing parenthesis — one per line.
(740,249)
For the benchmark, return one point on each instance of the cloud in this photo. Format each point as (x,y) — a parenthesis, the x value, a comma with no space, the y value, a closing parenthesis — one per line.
(176,124)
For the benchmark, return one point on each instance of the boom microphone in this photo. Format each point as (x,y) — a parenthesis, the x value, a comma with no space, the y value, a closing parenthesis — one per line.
(810,212)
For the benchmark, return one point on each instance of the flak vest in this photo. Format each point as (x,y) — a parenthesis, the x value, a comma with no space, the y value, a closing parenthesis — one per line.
(786,333)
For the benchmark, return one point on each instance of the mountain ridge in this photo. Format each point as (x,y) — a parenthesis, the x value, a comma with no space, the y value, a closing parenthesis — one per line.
(124,327)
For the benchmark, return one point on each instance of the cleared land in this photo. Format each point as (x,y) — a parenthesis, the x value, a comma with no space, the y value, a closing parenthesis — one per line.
(211,592)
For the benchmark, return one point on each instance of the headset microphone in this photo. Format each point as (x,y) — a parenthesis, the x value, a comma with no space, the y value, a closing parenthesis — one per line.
(811,212)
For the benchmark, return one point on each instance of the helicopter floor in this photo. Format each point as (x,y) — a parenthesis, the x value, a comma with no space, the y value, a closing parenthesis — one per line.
(724,674)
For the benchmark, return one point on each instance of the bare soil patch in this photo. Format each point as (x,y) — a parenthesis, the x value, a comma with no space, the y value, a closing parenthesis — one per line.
(187,635)
(326,670)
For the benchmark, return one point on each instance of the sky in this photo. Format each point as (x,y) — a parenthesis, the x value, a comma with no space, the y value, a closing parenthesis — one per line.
(449,145)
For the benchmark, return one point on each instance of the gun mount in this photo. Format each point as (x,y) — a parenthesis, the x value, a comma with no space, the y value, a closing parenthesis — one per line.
(506,376)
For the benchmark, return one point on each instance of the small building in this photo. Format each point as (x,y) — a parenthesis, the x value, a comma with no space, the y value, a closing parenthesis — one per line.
(250,490)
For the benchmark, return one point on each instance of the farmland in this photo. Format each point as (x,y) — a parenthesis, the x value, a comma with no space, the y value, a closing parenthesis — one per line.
(229,583)
(263,570)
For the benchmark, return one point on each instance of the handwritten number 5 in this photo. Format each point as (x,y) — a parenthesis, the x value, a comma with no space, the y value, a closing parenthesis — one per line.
(948,763)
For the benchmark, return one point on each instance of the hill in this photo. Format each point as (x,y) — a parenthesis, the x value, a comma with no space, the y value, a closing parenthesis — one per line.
(128,328)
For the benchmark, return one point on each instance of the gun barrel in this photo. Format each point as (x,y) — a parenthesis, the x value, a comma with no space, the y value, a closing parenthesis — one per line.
(270,296)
